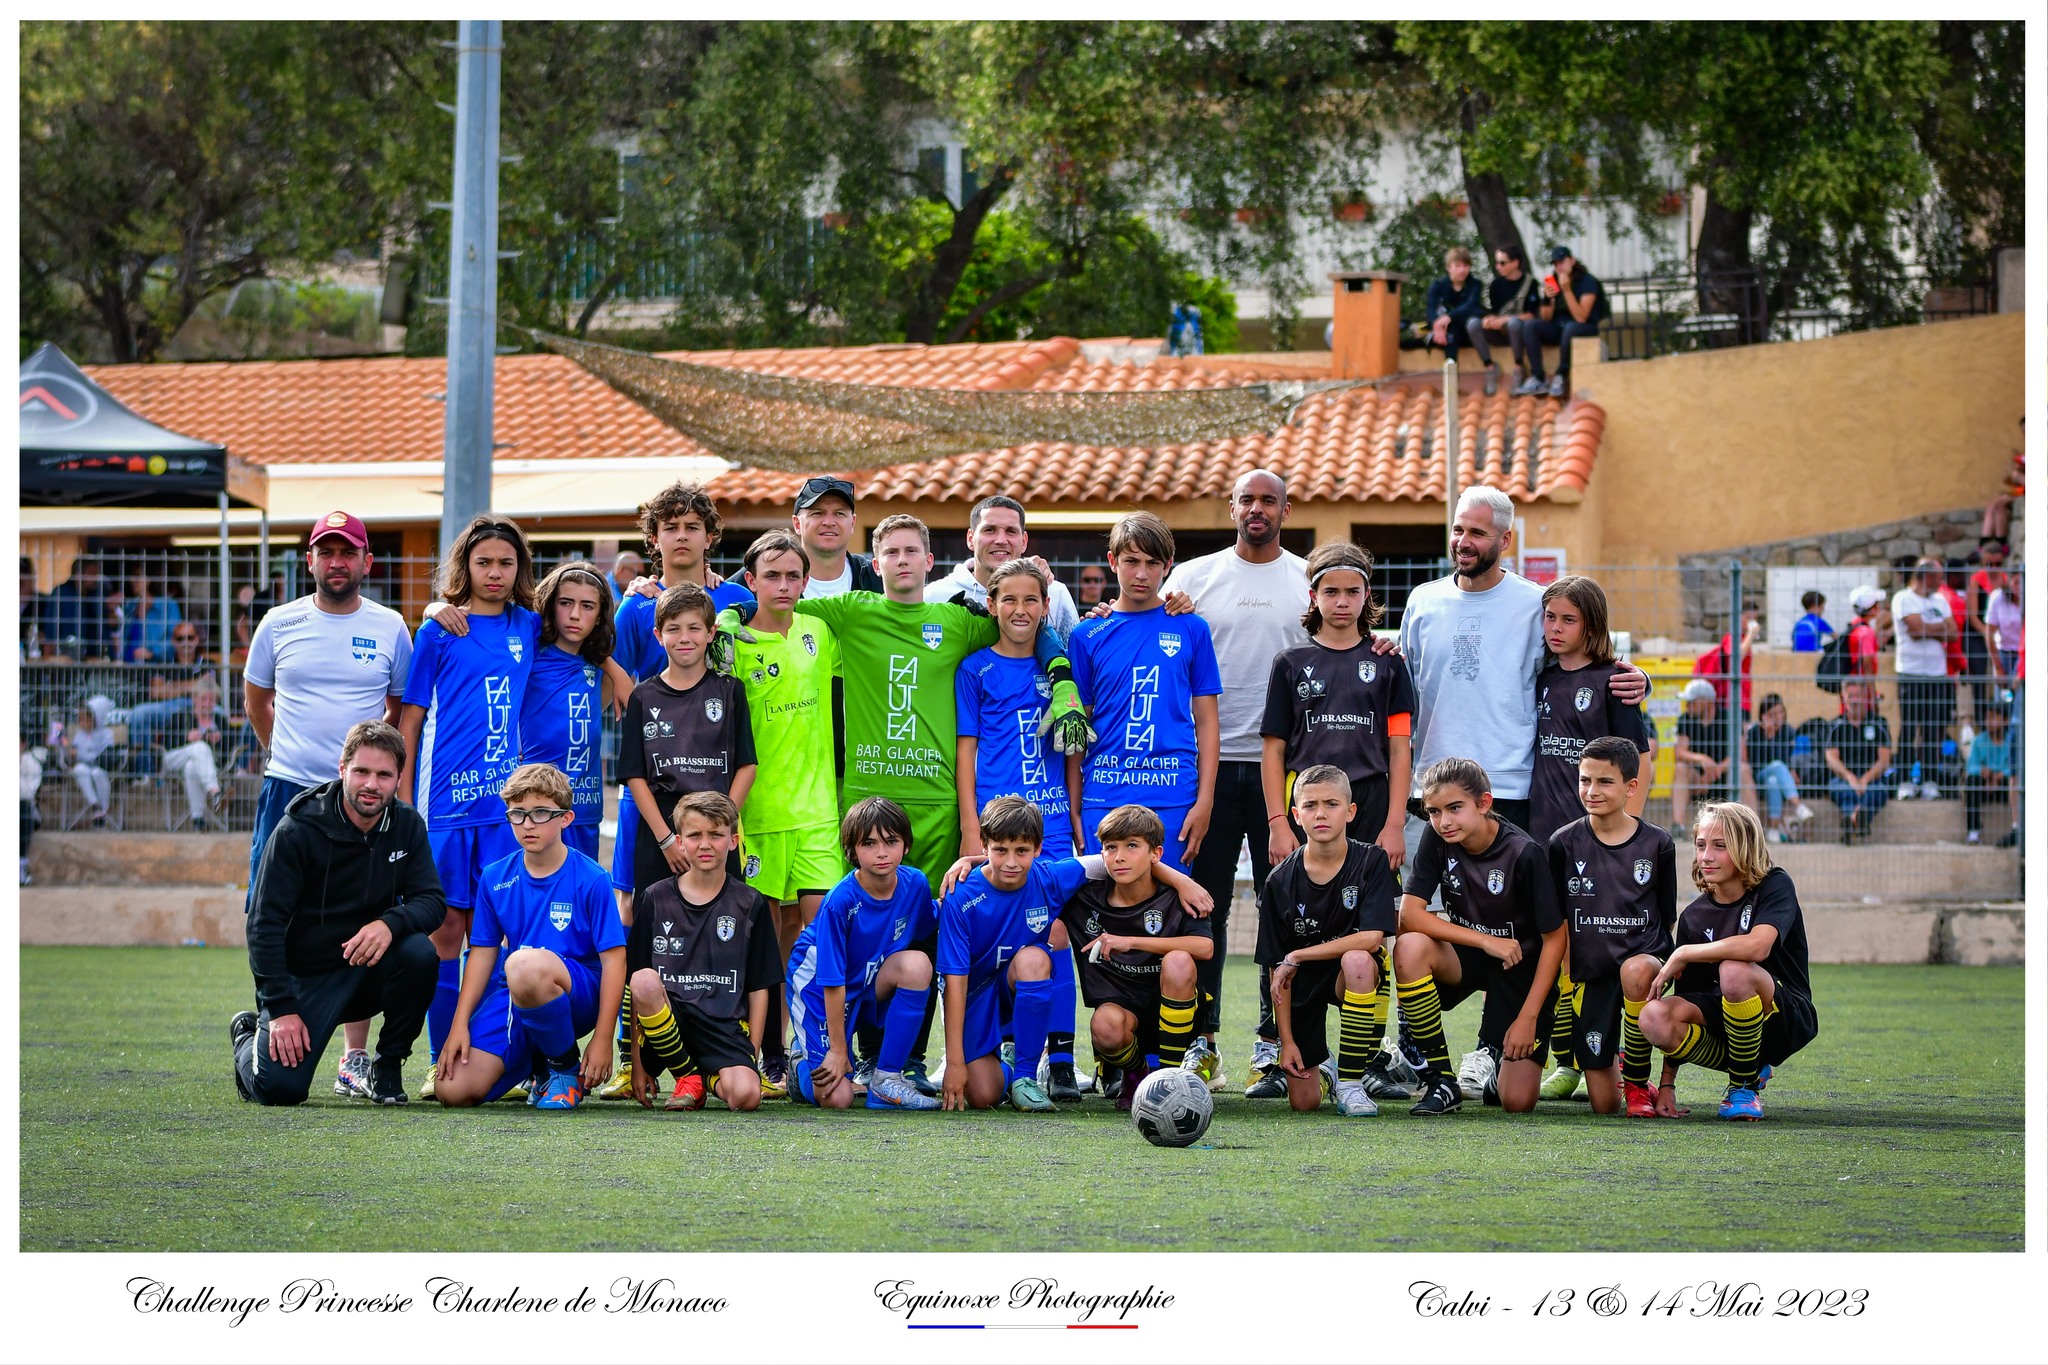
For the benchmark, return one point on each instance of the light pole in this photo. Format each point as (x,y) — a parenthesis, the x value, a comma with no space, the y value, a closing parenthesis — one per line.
(472,280)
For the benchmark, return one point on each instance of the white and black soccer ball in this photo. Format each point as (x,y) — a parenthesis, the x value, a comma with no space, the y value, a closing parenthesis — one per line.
(1172,1108)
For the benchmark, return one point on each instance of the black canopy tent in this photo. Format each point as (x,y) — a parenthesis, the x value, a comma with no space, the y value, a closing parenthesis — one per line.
(80,447)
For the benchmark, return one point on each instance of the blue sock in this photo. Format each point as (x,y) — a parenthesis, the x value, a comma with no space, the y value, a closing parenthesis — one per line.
(900,1022)
(1060,1026)
(551,1028)
(441,1013)
(1032,1012)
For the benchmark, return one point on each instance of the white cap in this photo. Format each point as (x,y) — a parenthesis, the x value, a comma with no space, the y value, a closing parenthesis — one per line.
(1864,598)
(1699,689)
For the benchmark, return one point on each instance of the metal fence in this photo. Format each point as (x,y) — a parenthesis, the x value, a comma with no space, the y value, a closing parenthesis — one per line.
(1941,779)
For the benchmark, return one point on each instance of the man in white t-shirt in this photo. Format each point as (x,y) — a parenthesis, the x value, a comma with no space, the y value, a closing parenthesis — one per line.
(1927,695)
(995,536)
(1252,596)
(317,666)
(824,522)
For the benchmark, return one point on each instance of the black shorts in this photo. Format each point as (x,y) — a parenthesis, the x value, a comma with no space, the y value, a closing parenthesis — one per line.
(1318,986)
(1790,1026)
(1507,990)
(713,1043)
(1596,1041)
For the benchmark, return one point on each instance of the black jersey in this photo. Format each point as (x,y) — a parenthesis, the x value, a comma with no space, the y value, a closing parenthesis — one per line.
(708,955)
(1505,891)
(1771,901)
(1573,708)
(1296,911)
(1618,899)
(1117,976)
(688,741)
(1332,706)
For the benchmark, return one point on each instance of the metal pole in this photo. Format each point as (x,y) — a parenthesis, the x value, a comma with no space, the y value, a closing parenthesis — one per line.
(472,280)
(227,594)
(1450,457)
(1734,680)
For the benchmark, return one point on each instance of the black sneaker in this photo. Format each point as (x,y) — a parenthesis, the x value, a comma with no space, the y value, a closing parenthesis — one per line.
(387,1086)
(1383,1084)
(2008,839)
(914,1072)
(1062,1086)
(1271,1084)
(242,1026)
(1440,1095)
(1109,1080)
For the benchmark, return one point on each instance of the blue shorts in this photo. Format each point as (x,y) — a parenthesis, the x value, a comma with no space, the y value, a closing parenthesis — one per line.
(582,835)
(493,1028)
(462,853)
(622,843)
(811,1040)
(1173,817)
(981,1034)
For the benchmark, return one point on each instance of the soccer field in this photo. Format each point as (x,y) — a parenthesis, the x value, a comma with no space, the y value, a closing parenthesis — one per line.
(1898,1130)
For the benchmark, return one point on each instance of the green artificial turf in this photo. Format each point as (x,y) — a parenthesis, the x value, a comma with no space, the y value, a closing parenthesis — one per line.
(1899,1129)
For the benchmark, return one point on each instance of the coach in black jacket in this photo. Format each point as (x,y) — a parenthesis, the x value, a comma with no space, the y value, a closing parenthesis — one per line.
(344,900)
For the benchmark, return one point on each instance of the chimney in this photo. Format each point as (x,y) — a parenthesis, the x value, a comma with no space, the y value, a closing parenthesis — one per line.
(1365,323)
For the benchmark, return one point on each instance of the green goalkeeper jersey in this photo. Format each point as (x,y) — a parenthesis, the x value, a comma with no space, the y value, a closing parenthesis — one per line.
(898,660)
(789,698)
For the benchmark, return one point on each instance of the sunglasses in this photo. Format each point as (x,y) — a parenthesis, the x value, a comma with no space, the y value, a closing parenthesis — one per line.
(184,639)
(539,815)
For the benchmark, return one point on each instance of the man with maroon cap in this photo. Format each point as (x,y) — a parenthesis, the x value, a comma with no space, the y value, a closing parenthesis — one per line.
(317,666)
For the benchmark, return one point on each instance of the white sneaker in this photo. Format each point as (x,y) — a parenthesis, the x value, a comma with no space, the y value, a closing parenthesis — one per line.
(1973,837)
(1907,791)
(1476,1072)
(1353,1102)
(352,1080)
(1802,812)
(1328,1071)
(1930,791)
(1264,1054)
(1774,836)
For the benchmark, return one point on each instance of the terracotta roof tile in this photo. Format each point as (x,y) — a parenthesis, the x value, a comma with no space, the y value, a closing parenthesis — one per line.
(1380,443)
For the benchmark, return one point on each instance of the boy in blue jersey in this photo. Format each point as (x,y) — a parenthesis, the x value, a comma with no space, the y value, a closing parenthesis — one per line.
(460,718)
(1000,694)
(853,963)
(548,908)
(574,676)
(1150,683)
(993,925)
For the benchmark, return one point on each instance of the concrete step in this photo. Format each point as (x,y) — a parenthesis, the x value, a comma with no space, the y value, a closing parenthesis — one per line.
(1901,822)
(1889,873)
(140,858)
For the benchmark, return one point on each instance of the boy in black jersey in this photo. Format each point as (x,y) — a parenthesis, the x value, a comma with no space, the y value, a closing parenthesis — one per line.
(1500,934)
(1744,1002)
(1324,913)
(1617,883)
(1135,950)
(703,953)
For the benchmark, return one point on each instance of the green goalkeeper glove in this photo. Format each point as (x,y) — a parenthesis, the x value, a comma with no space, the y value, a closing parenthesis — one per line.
(723,656)
(1067,719)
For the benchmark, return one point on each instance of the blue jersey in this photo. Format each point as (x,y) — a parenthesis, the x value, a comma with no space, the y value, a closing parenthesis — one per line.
(1000,701)
(1139,673)
(853,933)
(635,645)
(572,914)
(472,687)
(982,928)
(559,724)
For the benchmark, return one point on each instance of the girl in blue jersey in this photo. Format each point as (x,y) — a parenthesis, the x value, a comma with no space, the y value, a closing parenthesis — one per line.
(574,679)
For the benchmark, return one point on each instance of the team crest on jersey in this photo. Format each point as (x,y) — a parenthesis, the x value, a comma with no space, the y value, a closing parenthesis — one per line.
(1584,701)
(1037,917)
(650,729)
(934,634)
(1495,881)
(589,676)
(753,867)
(661,945)
(1042,685)
(1593,1043)
(517,646)
(1303,925)
(1093,928)
(810,644)
(1367,670)
(1154,918)
(714,710)
(1350,898)
(896,931)
(756,676)
(1169,644)
(559,913)
(1642,872)
(775,670)
(364,651)
(1745,918)
(726,924)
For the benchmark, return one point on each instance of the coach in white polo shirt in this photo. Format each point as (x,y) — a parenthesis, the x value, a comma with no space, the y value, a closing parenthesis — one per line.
(1252,595)
(318,665)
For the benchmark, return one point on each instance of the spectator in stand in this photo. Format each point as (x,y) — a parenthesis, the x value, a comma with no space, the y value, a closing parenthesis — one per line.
(628,566)
(90,738)
(1091,585)
(1953,582)
(194,762)
(1699,759)
(31,783)
(149,621)
(1811,632)
(1859,754)
(1453,303)
(1866,632)
(1574,304)
(33,607)
(172,686)
(1768,748)
(1988,776)
(1510,295)
(2005,620)
(1980,654)
(1927,698)
(1713,666)
(78,623)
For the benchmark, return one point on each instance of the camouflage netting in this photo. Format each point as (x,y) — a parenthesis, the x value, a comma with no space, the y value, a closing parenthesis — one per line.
(811,425)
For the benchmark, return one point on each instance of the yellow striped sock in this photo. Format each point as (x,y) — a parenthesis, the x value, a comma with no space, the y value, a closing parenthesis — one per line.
(1564,1020)
(1635,1049)
(661,1042)
(1422,1011)
(1354,1028)
(1699,1050)
(1123,1057)
(1743,1022)
(1176,1028)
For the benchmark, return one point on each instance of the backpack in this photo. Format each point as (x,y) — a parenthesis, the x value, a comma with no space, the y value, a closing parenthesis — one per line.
(1833,665)
(1713,666)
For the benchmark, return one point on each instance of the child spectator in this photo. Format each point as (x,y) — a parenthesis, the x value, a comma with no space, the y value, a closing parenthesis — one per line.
(1453,303)
(1866,632)
(1768,747)
(1988,776)
(89,739)
(1811,632)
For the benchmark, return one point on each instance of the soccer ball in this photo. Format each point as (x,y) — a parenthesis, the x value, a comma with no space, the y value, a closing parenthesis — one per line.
(1172,1108)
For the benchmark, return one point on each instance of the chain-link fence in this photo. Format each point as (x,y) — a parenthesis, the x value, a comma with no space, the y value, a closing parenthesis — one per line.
(1872,786)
